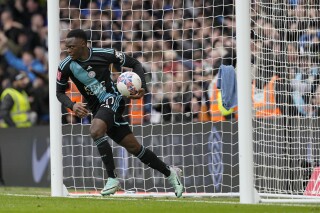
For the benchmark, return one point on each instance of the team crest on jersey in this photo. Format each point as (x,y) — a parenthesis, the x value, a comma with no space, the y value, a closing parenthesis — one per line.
(119,55)
(91,74)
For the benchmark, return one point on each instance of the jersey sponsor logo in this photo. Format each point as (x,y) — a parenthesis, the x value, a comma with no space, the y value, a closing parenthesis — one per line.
(89,67)
(91,74)
(59,74)
(39,165)
(95,88)
(119,56)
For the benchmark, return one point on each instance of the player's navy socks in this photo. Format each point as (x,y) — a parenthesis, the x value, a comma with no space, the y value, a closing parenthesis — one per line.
(150,159)
(105,151)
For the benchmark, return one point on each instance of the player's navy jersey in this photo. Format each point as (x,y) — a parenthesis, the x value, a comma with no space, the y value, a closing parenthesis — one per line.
(92,76)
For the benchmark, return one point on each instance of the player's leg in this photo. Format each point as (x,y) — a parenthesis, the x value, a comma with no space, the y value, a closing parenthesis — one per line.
(130,143)
(124,137)
(99,126)
(98,131)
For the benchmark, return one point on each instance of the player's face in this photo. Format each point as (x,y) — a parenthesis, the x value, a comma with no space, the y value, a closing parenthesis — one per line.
(76,48)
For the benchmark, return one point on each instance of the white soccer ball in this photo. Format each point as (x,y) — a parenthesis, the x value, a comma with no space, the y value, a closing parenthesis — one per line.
(128,83)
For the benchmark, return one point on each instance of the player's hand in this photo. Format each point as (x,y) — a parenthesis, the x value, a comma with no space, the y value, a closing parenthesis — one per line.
(139,94)
(80,110)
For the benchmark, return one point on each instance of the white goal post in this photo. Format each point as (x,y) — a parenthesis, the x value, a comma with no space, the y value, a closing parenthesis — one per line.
(55,107)
(257,150)
(247,191)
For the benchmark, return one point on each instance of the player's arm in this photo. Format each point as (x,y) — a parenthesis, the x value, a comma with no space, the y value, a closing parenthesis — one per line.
(128,61)
(62,83)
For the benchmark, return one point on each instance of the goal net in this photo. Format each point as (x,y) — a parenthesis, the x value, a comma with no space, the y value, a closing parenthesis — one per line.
(181,45)
(285,57)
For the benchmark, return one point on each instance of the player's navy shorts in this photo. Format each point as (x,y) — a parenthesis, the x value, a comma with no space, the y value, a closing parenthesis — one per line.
(111,112)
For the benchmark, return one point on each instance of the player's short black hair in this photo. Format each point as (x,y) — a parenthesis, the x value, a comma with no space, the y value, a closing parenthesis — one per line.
(77,33)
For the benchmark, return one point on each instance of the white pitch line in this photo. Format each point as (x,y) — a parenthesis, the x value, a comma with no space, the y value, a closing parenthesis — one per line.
(167,200)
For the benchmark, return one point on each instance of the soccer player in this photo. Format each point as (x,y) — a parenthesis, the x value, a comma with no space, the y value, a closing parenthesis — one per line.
(88,68)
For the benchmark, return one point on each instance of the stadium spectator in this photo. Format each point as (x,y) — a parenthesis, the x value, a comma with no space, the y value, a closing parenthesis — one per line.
(305,83)
(25,63)
(162,99)
(16,48)
(39,94)
(181,105)
(10,27)
(33,7)
(35,33)
(15,109)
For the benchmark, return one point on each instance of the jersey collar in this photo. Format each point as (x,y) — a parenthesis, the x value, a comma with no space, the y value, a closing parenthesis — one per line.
(90,53)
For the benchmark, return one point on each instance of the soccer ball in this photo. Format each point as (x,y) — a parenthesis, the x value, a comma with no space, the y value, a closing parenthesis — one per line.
(128,83)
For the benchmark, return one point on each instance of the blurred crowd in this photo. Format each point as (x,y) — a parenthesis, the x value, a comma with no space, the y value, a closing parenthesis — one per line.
(23,49)
(181,45)
(285,48)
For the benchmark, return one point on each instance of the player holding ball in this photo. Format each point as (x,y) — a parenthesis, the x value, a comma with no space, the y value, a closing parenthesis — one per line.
(88,68)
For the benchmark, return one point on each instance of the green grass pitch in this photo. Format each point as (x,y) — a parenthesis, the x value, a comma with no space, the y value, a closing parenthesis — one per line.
(18,199)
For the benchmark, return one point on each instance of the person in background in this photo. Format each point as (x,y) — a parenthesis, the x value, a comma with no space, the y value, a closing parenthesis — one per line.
(15,109)
(26,63)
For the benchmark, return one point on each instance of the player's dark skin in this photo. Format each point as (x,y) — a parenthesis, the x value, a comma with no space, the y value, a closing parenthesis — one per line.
(77,49)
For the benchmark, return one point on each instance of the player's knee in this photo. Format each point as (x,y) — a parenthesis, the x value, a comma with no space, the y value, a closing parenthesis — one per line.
(96,133)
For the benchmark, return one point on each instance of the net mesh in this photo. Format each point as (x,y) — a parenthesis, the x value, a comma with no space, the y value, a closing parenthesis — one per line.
(181,45)
(285,74)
